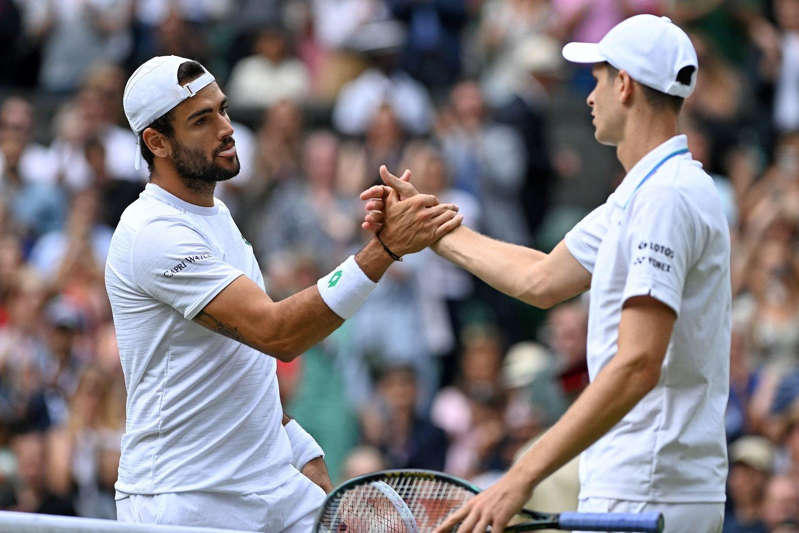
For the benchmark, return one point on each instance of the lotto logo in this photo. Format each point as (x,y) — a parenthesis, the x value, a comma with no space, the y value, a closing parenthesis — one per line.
(334,279)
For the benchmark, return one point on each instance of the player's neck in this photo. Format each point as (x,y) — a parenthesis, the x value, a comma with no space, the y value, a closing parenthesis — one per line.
(642,135)
(199,193)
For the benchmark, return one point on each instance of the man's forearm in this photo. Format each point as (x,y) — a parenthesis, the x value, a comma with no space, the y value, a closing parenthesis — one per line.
(615,391)
(508,268)
(316,471)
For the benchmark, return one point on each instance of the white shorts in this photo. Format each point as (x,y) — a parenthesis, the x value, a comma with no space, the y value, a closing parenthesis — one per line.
(679,517)
(289,508)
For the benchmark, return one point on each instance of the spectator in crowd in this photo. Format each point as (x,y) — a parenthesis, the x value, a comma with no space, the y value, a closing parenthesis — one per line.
(781,502)
(479,373)
(87,445)
(337,21)
(786,99)
(444,291)
(393,425)
(66,357)
(567,330)
(504,27)
(361,461)
(432,51)
(744,380)
(16,123)
(269,75)
(488,160)
(529,380)
(751,464)
(77,34)
(524,102)
(278,150)
(382,82)
(32,492)
(328,227)
(27,172)
(23,356)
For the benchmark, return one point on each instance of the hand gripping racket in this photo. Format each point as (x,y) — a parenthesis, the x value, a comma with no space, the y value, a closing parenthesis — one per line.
(416,501)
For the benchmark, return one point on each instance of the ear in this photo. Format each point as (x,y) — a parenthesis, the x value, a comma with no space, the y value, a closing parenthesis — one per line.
(157,142)
(624,85)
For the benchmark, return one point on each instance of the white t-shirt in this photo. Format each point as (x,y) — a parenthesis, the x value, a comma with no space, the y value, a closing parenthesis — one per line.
(203,411)
(662,233)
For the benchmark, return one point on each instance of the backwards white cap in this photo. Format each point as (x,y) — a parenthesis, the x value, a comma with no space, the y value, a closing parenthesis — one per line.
(153,90)
(651,49)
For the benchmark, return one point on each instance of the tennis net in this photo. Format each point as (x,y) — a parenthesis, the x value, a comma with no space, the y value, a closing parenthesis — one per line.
(42,523)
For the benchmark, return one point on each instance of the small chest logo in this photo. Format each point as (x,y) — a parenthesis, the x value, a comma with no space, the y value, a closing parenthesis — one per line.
(334,279)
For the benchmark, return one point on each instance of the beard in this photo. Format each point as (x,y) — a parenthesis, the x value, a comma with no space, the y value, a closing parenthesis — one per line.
(197,171)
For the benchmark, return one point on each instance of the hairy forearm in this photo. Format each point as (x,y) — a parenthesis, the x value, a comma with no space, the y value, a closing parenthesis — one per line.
(508,268)
(285,330)
(615,391)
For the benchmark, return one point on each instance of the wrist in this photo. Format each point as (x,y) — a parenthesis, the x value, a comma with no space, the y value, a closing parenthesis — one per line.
(388,250)
(373,260)
(523,476)
(346,288)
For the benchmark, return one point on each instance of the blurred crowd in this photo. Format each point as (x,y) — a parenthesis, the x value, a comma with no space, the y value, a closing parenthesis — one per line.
(437,370)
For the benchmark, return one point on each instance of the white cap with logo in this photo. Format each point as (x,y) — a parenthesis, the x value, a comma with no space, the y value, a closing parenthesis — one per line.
(153,90)
(651,49)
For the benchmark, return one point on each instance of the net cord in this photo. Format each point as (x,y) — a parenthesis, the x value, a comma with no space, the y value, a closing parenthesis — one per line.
(42,523)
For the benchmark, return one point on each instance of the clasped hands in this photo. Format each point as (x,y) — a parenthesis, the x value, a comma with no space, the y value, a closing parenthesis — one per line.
(405,220)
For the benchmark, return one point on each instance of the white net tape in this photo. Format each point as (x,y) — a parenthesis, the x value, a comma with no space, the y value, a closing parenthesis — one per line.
(42,523)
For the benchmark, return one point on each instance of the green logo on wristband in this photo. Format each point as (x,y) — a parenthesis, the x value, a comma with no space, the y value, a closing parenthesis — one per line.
(334,279)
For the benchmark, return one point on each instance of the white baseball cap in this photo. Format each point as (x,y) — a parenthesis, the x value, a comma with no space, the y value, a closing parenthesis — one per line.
(651,49)
(153,90)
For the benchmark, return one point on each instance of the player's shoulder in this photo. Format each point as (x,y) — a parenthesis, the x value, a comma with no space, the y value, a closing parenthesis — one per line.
(684,189)
(154,225)
(145,210)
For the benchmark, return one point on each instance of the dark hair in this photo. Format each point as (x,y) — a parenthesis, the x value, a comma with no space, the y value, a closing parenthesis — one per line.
(661,100)
(187,72)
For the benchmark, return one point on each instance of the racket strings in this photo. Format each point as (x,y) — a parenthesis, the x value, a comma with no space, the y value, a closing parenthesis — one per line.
(365,509)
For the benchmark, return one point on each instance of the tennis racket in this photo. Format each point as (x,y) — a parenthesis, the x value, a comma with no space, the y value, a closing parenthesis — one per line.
(416,501)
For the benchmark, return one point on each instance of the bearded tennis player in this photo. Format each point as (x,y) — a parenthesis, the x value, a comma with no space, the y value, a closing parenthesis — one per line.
(206,442)
(656,256)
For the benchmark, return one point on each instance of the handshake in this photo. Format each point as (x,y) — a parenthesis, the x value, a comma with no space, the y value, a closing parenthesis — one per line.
(404,220)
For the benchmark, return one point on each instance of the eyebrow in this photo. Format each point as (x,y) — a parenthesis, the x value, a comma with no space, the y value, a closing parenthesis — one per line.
(204,111)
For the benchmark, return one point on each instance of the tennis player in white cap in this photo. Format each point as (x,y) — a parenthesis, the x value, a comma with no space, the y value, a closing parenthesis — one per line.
(206,442)
(655,256)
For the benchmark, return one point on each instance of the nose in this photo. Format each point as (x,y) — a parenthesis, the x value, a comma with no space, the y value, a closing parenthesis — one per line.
(590,99)
(226,128)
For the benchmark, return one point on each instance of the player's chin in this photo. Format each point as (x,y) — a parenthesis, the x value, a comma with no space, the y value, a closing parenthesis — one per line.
(231,164)
(603,138)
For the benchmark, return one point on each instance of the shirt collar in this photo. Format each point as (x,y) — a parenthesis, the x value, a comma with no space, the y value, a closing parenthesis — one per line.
(643,168)
(161,194)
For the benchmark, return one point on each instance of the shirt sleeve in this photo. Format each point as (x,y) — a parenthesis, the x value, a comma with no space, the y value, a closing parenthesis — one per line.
(584,239)
(176,265)
(661,241)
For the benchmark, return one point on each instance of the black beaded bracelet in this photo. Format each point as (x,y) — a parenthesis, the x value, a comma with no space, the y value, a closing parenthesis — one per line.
(391,254)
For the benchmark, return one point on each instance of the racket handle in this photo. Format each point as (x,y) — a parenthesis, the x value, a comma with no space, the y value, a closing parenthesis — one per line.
(651,522)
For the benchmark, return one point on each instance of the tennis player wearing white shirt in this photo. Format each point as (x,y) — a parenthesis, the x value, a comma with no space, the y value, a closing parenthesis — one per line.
(206,442)
(655,256)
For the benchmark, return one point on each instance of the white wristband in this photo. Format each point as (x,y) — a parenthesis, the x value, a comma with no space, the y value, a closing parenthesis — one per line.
(303,446)
(346,288)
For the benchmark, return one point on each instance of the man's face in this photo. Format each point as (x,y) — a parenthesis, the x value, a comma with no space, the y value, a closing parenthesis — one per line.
(605,108)
(203,149)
